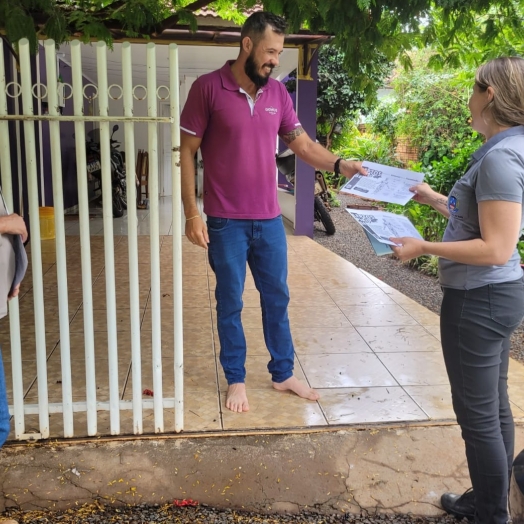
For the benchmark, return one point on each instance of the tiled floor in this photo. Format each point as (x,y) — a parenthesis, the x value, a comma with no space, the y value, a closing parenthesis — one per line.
(372,353)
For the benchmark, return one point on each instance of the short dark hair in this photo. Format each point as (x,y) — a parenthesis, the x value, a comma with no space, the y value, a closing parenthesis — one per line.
(255,26)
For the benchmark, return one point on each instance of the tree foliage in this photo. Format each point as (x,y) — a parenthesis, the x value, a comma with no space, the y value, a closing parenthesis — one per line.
(470,38)
(435,114)
(362,27)
(338,98)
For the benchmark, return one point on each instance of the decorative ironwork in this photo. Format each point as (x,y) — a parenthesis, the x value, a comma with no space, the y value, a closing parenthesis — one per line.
(158,92)
(95,92)
(14,95)
(134,92)
(115,86)
(41,87)
(64,84)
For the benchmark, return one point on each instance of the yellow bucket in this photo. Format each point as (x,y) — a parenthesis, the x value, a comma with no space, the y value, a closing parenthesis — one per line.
(47,223)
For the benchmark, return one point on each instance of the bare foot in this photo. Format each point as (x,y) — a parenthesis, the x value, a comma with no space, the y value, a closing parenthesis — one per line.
(236,399)
(294,385)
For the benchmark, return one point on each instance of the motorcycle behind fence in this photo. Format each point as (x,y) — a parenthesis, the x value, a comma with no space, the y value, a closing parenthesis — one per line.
(286,165)
(118,171)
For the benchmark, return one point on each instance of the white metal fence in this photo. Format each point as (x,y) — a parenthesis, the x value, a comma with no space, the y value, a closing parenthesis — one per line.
(27,92)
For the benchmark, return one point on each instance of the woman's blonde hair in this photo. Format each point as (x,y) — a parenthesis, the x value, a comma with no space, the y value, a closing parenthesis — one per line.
(506,77)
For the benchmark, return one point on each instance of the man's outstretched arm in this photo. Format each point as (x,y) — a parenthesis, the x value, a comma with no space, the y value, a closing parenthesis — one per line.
(318,156)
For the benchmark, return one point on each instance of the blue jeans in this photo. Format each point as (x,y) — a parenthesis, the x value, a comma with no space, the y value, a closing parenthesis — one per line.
(4,409)
(476,326)
(262,244)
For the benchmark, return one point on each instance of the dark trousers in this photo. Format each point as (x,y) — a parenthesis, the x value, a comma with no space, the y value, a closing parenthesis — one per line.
(475,326)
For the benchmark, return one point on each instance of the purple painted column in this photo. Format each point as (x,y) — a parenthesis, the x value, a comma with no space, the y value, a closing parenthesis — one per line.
(305,174)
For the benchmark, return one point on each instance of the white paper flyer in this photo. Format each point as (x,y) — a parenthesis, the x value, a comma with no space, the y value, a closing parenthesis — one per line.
(384,183)
(383,225)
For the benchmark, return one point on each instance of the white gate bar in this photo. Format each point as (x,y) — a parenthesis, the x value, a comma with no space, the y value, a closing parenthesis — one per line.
(109,248)
(89,118)
(14,310)
(39,111)
(36,248)
(85,239)
(177,238)
(132,239)
(61,261)
(154,231)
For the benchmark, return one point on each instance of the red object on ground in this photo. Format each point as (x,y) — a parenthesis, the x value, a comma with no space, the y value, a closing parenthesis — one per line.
(147,392)
(184,502)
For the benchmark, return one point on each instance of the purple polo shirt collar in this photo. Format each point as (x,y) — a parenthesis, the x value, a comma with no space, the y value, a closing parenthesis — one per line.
(228,79)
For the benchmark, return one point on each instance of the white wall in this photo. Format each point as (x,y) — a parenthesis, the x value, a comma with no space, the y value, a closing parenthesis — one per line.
(287,205)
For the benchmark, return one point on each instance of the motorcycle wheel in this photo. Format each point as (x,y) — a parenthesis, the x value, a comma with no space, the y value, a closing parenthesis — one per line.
(322,214)
(118,206)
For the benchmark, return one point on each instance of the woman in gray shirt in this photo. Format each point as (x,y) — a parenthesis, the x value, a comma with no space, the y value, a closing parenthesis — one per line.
(483,288)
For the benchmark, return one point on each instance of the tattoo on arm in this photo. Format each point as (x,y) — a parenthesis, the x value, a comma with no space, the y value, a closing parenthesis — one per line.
(440,200)
(292,135)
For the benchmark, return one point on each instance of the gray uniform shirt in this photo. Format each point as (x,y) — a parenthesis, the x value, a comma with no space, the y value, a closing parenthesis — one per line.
(7,264)
(496,172)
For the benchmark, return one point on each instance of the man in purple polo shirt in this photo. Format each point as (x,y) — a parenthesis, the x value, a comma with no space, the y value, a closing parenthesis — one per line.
(235,115)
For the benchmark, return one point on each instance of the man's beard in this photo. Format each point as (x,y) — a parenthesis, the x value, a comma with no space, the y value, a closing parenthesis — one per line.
(251,70)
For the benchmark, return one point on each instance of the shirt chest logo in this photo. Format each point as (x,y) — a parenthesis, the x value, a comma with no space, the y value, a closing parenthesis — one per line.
(453,204)
(454,207)
(271,110)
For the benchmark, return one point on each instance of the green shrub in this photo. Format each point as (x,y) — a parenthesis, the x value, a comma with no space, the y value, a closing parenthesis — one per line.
(370,147)
(442,175)
(435,113)
(333,200)
(383,121)
(520,249)
(348,134)
(427,264)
